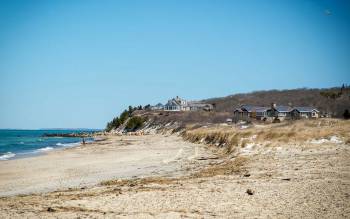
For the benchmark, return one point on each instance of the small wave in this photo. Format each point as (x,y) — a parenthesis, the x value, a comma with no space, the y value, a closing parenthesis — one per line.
(21,142)
(45,149)
(7,156)
(68,144)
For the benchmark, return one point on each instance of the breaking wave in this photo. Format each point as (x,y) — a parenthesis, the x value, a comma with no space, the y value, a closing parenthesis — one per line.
(7,156)
(45,149)
(68,144)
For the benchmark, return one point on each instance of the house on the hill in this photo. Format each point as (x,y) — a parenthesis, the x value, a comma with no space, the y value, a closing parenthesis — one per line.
(305,112)
(280,112)
(247,112)
(195,106)
(178,104)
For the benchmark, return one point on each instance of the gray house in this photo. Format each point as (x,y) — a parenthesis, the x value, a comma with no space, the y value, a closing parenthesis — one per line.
(280,112)
(247,112)
(305,112)
(194,106)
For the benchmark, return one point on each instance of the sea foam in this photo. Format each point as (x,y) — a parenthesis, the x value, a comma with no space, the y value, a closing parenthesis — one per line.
(68,144)
(7,156)
(45,149)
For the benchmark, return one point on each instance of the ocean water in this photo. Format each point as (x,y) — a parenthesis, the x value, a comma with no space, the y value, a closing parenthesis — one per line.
(23,143)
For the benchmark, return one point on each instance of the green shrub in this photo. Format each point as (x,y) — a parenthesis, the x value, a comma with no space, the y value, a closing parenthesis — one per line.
(134,123)
(117,121)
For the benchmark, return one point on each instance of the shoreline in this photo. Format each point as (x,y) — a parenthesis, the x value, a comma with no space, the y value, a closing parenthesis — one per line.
(87,165)
(15,155)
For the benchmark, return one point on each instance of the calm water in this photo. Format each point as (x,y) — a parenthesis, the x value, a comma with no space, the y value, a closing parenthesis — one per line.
(23,143)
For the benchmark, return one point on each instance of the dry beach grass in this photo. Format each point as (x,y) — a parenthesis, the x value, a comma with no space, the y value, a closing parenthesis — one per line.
(300,131)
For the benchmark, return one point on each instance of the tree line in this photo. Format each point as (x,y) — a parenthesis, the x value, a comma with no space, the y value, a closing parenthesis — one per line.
(133,123)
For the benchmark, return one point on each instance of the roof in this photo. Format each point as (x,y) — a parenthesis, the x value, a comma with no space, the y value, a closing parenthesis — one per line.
(199,104)
(251,108)
(305,109)
(261,109)
(159,105)
(172,103)
(283,109)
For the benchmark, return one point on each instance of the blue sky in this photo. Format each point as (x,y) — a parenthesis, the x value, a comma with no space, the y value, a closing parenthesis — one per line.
(79,63)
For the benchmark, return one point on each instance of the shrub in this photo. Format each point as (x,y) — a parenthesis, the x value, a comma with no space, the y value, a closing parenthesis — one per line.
(134,123)
(117,121)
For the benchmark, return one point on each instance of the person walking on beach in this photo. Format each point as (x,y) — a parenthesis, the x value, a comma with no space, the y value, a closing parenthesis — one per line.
(83,140)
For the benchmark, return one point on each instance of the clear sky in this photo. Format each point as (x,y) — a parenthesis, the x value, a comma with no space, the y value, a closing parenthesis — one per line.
(79,63)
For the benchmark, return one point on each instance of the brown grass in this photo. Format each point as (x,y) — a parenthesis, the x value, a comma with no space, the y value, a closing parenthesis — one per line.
(232,166)
(288,132)
(141,181)
(227,168)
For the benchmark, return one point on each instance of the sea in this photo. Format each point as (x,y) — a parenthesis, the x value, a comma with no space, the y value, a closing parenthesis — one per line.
(16,144)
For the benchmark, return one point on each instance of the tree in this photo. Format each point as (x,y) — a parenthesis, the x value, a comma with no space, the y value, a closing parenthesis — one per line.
(115,123)
(130,110)
(123,116)
(147,107)
(342,88)
(134,123)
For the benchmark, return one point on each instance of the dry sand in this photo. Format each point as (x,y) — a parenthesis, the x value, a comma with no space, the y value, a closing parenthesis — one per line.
(86,165)
(286,181)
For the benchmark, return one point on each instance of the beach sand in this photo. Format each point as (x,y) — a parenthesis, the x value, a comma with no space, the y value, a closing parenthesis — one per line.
(284,181)
(87,165)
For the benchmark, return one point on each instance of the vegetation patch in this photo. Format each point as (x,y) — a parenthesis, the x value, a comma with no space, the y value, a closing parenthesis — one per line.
(233,166)
(118,121)
(135,123)
(300,131)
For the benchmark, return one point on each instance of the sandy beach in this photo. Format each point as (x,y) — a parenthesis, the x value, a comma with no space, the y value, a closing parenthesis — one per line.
(158,176)
(86,165)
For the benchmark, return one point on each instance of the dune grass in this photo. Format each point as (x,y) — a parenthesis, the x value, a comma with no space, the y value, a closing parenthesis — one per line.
(300,131)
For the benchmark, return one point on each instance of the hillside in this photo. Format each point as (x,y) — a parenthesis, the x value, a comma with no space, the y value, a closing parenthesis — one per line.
(331,100)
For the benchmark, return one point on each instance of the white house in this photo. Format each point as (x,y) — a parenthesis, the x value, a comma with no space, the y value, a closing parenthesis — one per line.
(178,104)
